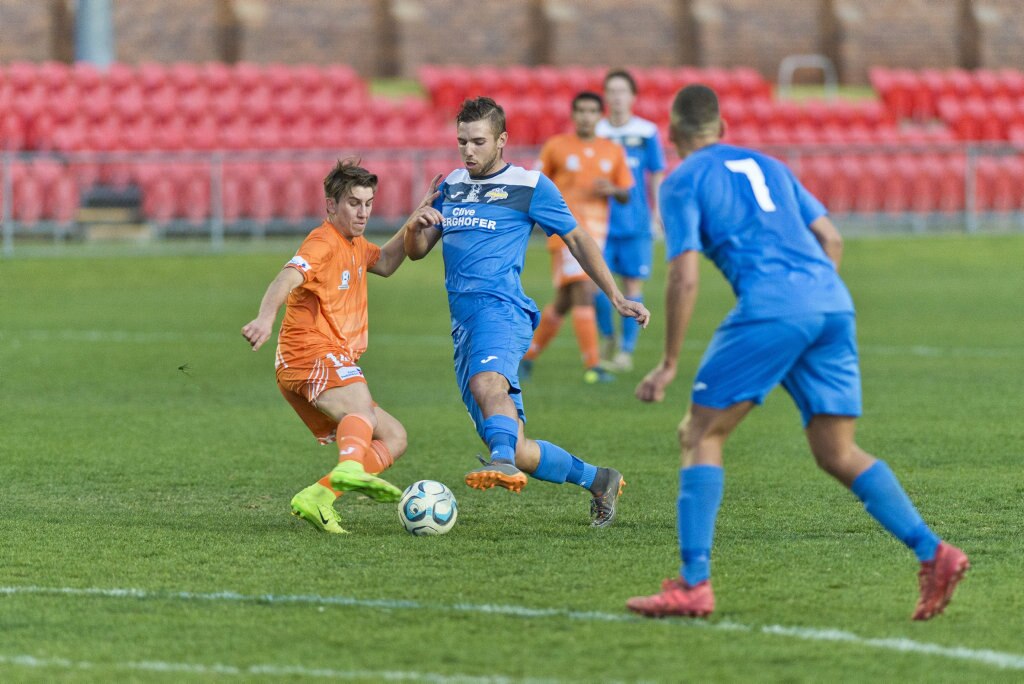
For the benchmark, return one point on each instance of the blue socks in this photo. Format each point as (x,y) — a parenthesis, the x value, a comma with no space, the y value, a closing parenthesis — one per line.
(606,323)
(630,329)
(700,493)
(501,434)
(603,308)
(559,466)
(887,503)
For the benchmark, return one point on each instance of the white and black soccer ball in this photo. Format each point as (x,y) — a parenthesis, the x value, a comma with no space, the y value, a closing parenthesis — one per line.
(427,507)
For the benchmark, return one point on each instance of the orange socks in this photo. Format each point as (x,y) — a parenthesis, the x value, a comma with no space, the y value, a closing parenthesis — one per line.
(378,458)
(354,435)
(326,482)
(550,323)
(584,322)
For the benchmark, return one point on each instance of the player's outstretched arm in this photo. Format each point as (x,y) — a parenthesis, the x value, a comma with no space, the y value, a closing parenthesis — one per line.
(258,330)
(680,297)
(586,251)
(828,236)
(392,254)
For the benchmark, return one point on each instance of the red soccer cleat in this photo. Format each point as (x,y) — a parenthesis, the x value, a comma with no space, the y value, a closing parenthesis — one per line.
(676,598)
(938,578)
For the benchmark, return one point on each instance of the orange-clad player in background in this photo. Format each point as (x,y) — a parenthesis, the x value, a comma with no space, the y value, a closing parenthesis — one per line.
(587,170)
(323,334)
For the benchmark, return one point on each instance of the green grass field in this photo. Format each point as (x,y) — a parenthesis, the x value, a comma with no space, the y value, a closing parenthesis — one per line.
(147,461)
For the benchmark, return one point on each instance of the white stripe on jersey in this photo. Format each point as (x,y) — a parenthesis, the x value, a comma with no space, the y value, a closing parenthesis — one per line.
(513,175)
(635,126)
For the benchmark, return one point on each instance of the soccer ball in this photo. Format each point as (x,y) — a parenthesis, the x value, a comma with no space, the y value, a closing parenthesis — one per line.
(427,507)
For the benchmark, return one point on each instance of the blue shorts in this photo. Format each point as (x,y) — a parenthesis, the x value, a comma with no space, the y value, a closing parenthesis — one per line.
(629,256)
(814,357)
(494,338)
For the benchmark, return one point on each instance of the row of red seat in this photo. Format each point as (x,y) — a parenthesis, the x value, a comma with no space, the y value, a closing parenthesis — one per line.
(213,77)
(206,133)
(978,118)
(913,183)
(293,191)
(448,85)
(917,93)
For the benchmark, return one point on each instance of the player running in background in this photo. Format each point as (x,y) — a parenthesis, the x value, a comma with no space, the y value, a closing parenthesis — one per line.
(793,324)
(486,214)
(587,170)
(629,244)
(322,336)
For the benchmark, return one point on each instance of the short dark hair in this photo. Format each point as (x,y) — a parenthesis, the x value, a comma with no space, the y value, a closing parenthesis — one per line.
(345,175)
(588,95)
(623,74)
(480,108)
(695,110)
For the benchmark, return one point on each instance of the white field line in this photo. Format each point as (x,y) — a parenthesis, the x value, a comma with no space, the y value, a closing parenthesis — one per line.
(1002,660)
(150,337)
(263,670)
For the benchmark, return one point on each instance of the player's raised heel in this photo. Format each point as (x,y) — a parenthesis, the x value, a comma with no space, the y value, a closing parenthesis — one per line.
(677,598)
(607,489)
(315,505)
(497,474)
(350,476)
(938,579)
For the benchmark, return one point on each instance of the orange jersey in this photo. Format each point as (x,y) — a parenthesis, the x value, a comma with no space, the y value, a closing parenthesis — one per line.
(327,313)
(574,165)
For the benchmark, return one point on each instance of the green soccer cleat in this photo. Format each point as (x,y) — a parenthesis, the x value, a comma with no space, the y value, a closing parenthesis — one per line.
(350,476)
(315,505)
(597,375)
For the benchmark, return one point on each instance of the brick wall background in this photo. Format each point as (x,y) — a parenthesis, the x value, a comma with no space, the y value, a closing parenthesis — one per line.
(1000,27)
(393,37)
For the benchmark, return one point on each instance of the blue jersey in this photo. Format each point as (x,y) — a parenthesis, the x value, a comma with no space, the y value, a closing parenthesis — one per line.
(645,155)
(749,214)
(487,225)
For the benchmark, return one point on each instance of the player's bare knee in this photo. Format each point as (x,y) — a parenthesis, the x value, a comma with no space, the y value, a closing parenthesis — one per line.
(396,440)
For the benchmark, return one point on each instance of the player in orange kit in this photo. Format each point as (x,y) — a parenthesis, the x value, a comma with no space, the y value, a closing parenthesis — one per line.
(588,171)
(322,336)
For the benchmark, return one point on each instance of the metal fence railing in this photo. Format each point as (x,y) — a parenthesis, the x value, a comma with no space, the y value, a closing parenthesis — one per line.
(217,195)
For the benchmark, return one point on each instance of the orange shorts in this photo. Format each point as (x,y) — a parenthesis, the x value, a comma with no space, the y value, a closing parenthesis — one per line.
(302,383)
(564,267)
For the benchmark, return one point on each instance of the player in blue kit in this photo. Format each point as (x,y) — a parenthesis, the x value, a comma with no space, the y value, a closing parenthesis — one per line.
(628,247)
(485,214)
(793,324)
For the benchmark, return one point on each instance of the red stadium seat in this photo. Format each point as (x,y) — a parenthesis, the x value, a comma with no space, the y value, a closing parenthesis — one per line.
(293,199)
(194,199)
(215,77)
(129,103)
(162,103)
(986,174)
(278,77)
(27,207)
(151,76)
(158,200)
(899,186)
(258,200)
(120,76)
(226,106)
(12,132)
(63,203)
(248,76)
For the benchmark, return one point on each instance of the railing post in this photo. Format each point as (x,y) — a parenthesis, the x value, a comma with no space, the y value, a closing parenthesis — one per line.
(217,201)
(971,190)
(8,197)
